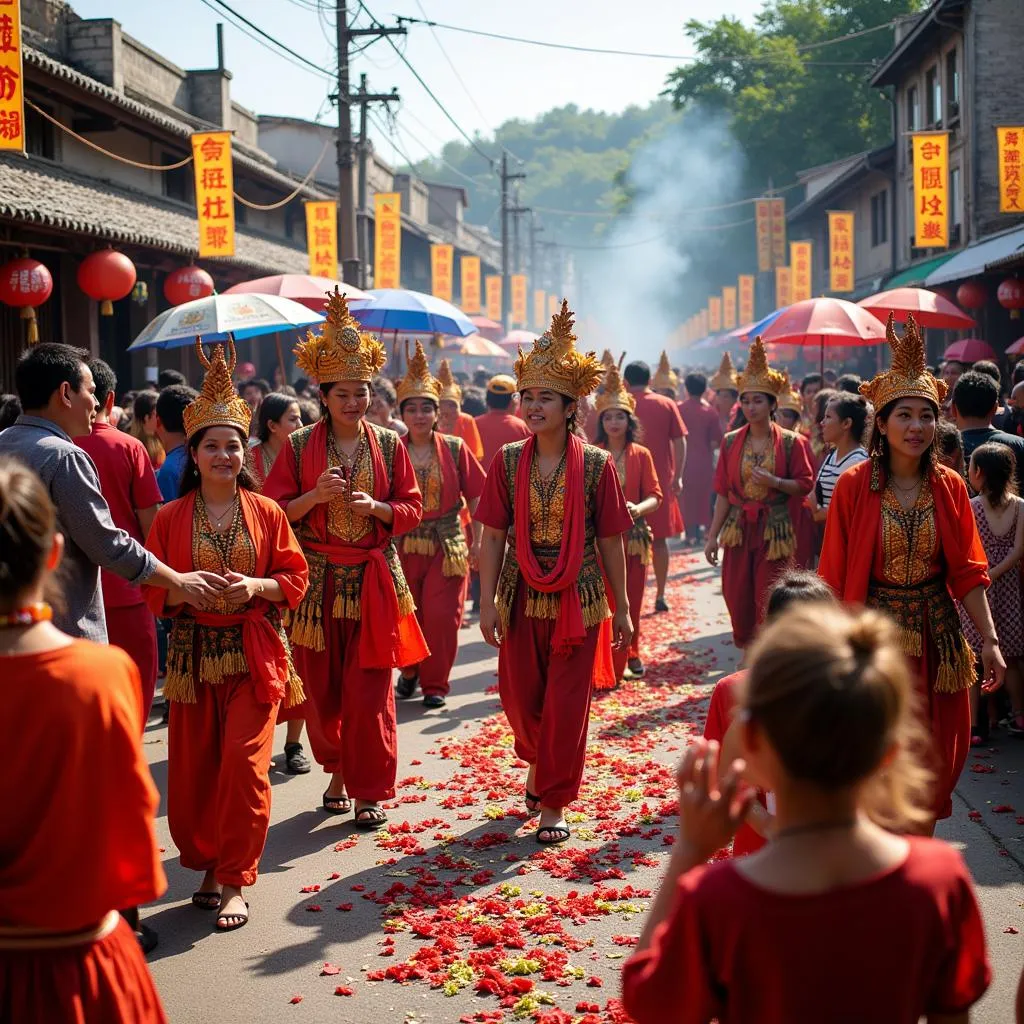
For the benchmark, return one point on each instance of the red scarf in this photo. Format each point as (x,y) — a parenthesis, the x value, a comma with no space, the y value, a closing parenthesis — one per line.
(451,486)
(569,630)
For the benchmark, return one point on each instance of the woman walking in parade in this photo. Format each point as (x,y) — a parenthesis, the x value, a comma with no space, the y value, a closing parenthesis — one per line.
(557,502)
(435,556)
(228,662)
(761,467)
(901,536)
(349,489)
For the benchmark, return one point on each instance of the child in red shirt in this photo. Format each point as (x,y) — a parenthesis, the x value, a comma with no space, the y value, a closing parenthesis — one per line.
(837,919)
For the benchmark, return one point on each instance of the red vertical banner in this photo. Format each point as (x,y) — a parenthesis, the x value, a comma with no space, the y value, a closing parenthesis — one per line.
(215,201)
(469,267)
(322,238)
(442,258)
(715,313)
(519,288)
(1010,145)
(493,285)
(387,240)
(931,190)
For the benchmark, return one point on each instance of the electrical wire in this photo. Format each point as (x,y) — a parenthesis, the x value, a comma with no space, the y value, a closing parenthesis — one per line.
(328,143)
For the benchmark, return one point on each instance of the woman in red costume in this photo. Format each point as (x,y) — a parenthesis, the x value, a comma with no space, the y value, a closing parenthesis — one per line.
(761,467)
(725,384)
(788,417)
(228,662)
(617,427)
(900,535)
(349,489)
(557,502)
(435,556)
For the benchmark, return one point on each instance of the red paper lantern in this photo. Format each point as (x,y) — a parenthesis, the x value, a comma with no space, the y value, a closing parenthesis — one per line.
(106,276)
(186,284)
(26,283)
(971,295)
(1011,296)
(944,293)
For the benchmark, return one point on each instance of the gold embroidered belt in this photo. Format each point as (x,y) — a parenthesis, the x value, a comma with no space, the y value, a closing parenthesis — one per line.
(778,527)
(15,938)
(446,531)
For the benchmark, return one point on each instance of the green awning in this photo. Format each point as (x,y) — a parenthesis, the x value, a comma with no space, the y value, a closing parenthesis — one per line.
(914,277)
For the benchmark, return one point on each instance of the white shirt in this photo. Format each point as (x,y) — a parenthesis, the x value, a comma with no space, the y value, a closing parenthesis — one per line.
(832,469)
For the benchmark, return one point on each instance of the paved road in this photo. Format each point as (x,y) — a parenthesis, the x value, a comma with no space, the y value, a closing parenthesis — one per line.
(459,884)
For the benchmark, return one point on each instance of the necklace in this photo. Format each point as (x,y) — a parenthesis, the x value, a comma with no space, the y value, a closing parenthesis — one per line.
(814,826)
(906,490)
(217,522)
(27,616)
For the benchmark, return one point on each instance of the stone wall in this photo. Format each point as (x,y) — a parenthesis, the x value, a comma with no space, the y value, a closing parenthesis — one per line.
(148,74)
(97,48)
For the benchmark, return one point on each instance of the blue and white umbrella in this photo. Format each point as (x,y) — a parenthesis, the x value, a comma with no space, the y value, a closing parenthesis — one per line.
(402,310)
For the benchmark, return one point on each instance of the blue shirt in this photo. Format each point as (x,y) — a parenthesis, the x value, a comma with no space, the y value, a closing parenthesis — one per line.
(169,475)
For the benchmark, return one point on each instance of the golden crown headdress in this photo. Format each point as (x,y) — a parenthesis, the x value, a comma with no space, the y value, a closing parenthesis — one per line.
(907,377)
(450,390)
(218,404)
(615,394)
(341,351)
(418,381)
(726,378)
(665,378)
(554,363)
(607,359)
(788,398)
(757,375)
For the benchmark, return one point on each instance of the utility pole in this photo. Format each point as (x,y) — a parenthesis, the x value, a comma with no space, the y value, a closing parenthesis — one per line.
(506,210)
(535,230)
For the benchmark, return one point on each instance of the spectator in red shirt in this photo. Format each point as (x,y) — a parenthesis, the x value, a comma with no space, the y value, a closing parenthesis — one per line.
(838,917)
(500,425)
(129,485)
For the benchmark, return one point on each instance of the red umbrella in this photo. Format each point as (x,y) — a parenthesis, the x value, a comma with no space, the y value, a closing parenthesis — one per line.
(969,350)
(1017,348)
(307,289)
(490,329)
(929,309)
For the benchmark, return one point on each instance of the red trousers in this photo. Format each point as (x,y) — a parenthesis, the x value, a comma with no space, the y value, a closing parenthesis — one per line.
(218,790)
(440,601)
(547,702)
(747,577)
(133,629)
(636,581)
(350,711)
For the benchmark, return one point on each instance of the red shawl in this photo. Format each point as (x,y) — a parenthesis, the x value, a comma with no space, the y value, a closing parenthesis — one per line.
(451,486)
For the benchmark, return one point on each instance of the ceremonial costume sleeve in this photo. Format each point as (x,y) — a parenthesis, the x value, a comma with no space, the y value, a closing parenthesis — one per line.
(721,484)
(405,499)
(495,508)
(282,483)
(649,485)
(611,517)
(471,474)
(801,465)
(835,547)
(287,563)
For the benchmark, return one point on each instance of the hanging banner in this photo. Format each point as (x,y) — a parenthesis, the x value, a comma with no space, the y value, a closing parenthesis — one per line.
(715,314)
(322,238)
(442,260)
(783,287)
(387,240)
(801,284)
(763,231)
(728,308)
(704,328)
(215,202)
(469,271)
(745,286)
(540,308)
(931,190)
(840,251)
(1010,142)
(778,210)
(12,93)
(518,285)
(554,306)
(493,285)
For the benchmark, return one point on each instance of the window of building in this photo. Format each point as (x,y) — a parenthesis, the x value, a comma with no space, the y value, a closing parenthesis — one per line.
(880,218)
(241,212)
(175,183)
(955,199)
(913,109)
(952,85)
(932,96)
(40,137)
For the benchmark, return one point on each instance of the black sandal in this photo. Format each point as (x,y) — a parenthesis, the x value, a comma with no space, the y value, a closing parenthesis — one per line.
(344,803)
(558,833)
(295,761)
(406,686)
(376,818)
(531,798)
(241,922)
(206,900)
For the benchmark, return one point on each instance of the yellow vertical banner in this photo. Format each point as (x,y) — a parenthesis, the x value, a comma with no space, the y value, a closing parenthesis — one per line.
(841,267)
(519,289)
(715,314)
(540,309)
(215,202)
(442,259)
(783,287)
(322,238)
(387,240)
(12,91)
(728,308)
(1010,143)
(469,296)
(778,217)
(704,329)
(801,282)
(554,306)
(931,190)
(763,231)
(745,286)
(493,285)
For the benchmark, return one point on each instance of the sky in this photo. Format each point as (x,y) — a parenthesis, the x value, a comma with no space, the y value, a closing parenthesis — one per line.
(481,82)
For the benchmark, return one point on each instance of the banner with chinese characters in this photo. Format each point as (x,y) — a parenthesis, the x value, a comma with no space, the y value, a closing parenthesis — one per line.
(469,269)
(540,309)
(783,287)
(763,229)
(745,286)
(1010,141)
(728,308)
(778,209)
(215,202)
(931,190)
(801,284)
(322,238)
(12,93)
(703,320)
(387,240)
(715,314)
(518,285)
(493,285)
(442,258)
(840,251)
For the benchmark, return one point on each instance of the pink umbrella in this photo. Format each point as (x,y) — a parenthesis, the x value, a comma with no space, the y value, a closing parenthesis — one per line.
(969,350)
(929,309)
(307,289)
(518,339)
(478,345)
(490,329)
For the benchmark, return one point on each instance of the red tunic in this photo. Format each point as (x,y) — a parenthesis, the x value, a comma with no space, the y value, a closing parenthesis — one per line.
(497,427)
(659,416)
(704,435)
(887,950)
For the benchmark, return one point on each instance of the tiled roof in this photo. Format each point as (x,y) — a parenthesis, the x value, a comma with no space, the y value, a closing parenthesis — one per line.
(35,191)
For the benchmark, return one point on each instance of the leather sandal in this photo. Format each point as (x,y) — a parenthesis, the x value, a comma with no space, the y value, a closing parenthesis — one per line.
(343,802)
(532,801)
(557,834)
(242,920)
(375,818)
(206,900)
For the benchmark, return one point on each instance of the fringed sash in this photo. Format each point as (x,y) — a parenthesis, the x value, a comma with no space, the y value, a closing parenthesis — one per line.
(446,528)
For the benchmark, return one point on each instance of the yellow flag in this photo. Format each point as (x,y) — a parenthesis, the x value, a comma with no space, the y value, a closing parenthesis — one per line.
(322,238)
(931,190)
(715,313)
(387,240)
(729,308)
(1010,142)
(12,91)
(800,262)
(840,251)
(745,286)
(469,267)
(441,259)
(215,203)
(783,287)
(494,297)
(519,287)
(763,233)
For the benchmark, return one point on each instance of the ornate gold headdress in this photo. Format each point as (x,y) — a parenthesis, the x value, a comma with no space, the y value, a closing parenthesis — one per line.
(788,398)
(607,359)
(418,381)
(757,375)
(726,378)
(907,377)
(554,363)
(341,351)
(218,404)
(665,377)
(615,394)
(450,390)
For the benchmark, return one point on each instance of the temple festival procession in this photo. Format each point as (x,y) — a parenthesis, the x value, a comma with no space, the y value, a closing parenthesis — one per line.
(511,513)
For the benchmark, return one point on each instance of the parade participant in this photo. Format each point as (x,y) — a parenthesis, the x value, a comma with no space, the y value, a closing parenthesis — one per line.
(704,435)
(435,556)
(787,415)
(761,467)
(499,425)
(557,501)
(790,407)
(724,384)
(665,437)
(841,429)
(78,801)
(349,489)
(617,431)
(451,419)
(665,381)
(228,662)
(900,536)
(383,403)
(829,728)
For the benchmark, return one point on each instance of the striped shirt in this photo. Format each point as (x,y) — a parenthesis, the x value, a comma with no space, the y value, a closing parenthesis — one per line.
(832,469)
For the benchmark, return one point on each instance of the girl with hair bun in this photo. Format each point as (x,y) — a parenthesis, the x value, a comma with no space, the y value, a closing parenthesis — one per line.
(837,918)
